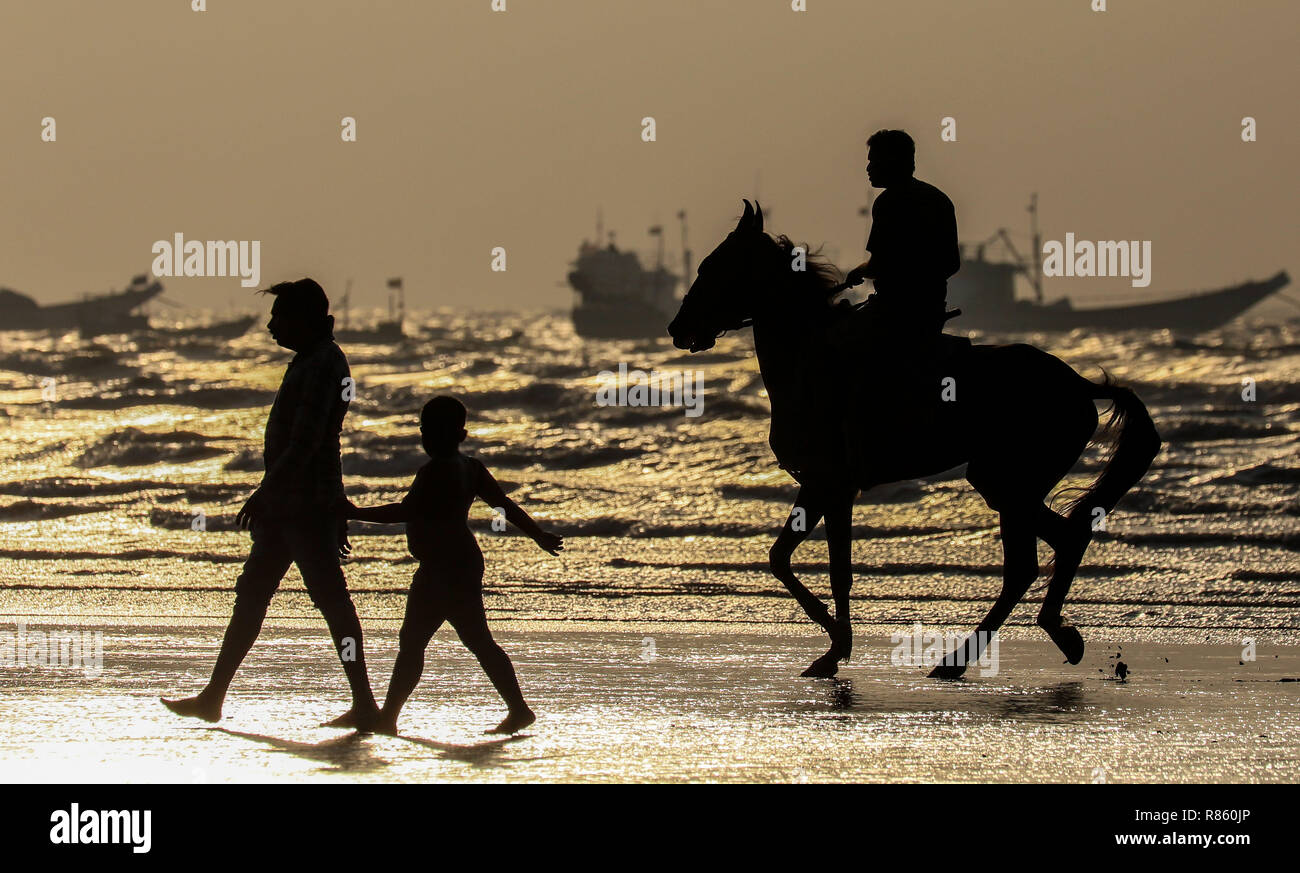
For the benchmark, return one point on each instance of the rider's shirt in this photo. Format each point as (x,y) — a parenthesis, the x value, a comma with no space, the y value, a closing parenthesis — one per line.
(913,244)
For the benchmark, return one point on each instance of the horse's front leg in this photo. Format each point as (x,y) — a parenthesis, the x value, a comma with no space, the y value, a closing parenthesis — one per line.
(839,543)
(804,516)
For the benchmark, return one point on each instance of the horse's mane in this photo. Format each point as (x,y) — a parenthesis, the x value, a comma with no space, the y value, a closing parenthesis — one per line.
(821,279)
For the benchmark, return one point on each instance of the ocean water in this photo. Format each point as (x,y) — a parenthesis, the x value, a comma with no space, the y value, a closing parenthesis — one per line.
(112,446)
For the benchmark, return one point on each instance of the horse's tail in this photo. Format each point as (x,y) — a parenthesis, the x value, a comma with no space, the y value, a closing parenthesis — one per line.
(1136,444)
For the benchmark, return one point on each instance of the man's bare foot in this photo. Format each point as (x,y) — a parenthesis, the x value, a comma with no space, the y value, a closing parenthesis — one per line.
(197,706)
(362,719)
(514,722)
(386,725)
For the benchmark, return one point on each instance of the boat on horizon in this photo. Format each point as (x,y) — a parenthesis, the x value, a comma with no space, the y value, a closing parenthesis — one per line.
(389,330)
(618,298)
(232,328)
(985,291)
(111,312)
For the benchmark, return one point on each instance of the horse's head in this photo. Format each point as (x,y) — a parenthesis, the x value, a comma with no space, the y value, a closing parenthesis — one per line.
(721,297)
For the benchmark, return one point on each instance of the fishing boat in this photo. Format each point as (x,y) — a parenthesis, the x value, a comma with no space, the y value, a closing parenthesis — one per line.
(617,297)
(230,329)
(392,329)
(111,312)
(984,290)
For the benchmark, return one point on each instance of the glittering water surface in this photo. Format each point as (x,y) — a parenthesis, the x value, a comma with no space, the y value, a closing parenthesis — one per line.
(669,519)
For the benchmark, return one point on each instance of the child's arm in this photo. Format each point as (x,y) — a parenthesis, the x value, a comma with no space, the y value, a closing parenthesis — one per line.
(388,513)
(491,493)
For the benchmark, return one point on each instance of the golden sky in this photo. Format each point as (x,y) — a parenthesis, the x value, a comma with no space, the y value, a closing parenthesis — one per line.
(478,129)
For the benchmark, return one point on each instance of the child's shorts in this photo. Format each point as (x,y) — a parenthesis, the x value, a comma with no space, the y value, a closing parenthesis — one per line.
(433,600)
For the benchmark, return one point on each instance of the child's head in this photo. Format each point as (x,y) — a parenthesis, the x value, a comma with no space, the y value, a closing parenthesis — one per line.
(442,425)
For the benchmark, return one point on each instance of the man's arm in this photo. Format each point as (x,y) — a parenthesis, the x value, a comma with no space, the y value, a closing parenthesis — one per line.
(952,246)
(880,223)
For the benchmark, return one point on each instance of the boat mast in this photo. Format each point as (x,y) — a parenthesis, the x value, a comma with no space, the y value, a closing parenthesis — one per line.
(1037,278)
(686,250)
(401,299)
(347,299)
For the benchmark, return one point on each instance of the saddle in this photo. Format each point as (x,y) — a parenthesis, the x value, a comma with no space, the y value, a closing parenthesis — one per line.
(899,389)
(857,328)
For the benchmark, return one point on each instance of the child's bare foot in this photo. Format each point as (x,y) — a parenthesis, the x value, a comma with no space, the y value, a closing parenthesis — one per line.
(514,722)
(360,718)
(197,706)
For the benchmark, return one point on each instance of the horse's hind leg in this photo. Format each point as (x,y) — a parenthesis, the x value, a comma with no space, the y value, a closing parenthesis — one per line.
(1019,569)
(1069,538)
(804,516)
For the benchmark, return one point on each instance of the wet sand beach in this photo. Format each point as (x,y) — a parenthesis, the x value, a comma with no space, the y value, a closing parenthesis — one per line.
(666,703)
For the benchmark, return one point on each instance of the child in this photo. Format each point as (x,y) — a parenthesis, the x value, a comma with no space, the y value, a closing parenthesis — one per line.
(449,582)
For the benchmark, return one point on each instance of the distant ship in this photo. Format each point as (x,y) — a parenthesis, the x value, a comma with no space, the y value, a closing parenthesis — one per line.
(103,313)
(984,290)
(618,298)
(392,329)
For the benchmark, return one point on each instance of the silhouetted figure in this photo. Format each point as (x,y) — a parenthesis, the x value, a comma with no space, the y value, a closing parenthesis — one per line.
(1019,421)
(913,243)
(448,586)
(914,250)
(296,515)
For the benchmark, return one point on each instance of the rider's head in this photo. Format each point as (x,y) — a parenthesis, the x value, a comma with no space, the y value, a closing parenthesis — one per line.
(891,158)
(442,425)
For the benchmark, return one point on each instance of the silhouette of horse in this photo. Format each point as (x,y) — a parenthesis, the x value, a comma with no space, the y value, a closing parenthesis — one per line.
(1021,419)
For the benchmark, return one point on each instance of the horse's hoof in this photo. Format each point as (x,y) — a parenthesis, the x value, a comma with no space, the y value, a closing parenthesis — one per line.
(1067,639)
(948,671)
(824,667)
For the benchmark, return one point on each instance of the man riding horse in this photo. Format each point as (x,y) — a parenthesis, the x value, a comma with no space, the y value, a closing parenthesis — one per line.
(913,242)
(913,251)
(1018,424)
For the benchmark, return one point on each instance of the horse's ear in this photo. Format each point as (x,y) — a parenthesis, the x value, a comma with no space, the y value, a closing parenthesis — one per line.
(748,218)
(758,218)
